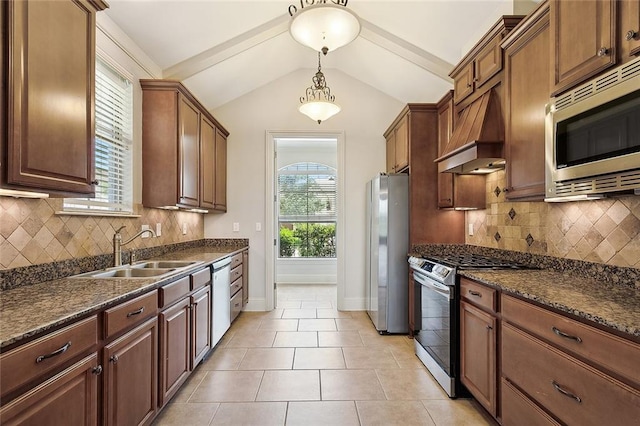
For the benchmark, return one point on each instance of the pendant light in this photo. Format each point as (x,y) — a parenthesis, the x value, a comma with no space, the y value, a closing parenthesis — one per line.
(323,25)
(318,102)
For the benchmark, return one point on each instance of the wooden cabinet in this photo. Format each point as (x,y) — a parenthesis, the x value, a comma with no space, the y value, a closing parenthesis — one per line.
(184,150)
(481,64)
(574,372)
(175,345)
(68,398)
(398,146)
(48,96)
(456,191)
(245,277)
(200,325)
(527,88)
(478,343)
(236,292)
(583,36)
(445,227)
(629,29)
(130,383)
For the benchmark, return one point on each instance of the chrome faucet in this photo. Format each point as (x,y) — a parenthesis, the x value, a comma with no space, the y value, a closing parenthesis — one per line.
(118,243)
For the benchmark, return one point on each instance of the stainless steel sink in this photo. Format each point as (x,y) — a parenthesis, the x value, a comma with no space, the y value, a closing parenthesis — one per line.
(127,272)
(160,264)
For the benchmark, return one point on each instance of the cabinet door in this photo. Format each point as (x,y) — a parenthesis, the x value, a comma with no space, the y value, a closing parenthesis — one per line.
(207,164)
(131,376)
(175,338)
(630,31)
(201,321)
(463,83)
(50,134)
(445,128)
(488,62)
(580,54)
(402,144)
(478,355)
(245,277)
(69,398)
(221,171)
(189,153)
(391,152)
(527,84)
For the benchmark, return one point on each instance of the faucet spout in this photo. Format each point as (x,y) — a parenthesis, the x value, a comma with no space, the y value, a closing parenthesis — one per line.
(118,243)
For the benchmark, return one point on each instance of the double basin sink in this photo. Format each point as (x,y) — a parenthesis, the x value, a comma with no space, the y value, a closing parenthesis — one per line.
(144,269)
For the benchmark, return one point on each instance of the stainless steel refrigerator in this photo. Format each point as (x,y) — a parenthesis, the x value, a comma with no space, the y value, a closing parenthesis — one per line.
(387,235)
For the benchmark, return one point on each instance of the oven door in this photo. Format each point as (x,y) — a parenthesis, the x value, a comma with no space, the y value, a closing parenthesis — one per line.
(435,339)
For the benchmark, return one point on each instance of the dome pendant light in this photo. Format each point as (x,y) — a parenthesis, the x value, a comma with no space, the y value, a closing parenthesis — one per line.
(323,25)
(318,102)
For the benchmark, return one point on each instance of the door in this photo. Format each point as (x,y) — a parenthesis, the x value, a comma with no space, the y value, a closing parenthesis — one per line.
(189,153)
(175,339)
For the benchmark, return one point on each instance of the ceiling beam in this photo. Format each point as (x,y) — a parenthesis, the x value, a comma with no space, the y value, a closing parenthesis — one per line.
(230,48)
(376,35)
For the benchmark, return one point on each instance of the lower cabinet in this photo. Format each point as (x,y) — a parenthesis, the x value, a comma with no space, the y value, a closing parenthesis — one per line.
(175,341)
(68,398)
(130,382)
(201,325)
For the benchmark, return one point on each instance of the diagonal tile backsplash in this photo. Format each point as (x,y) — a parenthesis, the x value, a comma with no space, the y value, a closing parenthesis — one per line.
(602,231)
(32,233)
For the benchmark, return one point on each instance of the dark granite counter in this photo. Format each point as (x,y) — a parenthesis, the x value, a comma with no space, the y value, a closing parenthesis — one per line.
(612,305)
(32,309)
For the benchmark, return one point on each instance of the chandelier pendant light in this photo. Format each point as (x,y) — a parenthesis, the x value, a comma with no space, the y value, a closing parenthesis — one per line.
(323,25)
(318,102)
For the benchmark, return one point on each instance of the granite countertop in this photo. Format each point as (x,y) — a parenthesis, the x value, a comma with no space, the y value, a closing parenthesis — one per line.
(33,309)
(612,305)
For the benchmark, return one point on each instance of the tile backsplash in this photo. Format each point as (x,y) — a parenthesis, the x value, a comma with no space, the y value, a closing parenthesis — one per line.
(603,231)
(31,232)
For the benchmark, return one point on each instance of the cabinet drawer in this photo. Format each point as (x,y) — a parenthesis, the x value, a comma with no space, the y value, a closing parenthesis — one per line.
(572,391)
(173,292)
(236,273)
(235,286)
(37,358)
(478,294)
(236,260)
(201,278)
(235,305)
(130,313)
(519,410)
(611,352)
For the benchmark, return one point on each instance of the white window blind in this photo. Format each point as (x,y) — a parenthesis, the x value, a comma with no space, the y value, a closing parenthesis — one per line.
(307,193)
(113,143)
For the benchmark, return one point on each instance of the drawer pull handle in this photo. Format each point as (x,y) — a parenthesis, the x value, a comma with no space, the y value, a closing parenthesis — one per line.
(114,359)
(97,370)
(475,293)
(57,352)
(138,312)
(565,392)
(565,335)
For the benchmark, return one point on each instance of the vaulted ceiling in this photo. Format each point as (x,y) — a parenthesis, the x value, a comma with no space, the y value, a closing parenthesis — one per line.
(223,49)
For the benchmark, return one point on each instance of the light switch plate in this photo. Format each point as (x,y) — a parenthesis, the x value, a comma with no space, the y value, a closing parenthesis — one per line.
(184,229)
(471,229)
(145,234)
(236,227)
(158,229)
(258,226)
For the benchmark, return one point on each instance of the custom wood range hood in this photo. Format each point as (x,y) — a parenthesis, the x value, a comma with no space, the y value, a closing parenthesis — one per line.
(477,143)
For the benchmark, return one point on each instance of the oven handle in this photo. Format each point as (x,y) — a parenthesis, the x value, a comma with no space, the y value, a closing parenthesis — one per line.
(441,289)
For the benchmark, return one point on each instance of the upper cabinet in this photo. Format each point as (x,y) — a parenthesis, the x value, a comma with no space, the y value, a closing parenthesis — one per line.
(398,146)
(527,87)
(629,28)
(47,142)
(184,150)
(483,62)
(584,40)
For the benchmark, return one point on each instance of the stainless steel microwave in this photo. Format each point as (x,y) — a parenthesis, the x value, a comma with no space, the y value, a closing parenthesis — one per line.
(593,137)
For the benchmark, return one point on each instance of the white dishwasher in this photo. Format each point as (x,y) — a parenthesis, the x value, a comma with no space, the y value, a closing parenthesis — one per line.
(220,301)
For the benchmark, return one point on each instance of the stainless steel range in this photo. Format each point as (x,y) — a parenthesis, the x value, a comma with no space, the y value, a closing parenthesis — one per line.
(437,338)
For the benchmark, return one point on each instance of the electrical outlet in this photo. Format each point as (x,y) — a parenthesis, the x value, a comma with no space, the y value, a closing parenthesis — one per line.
(471,229)
(184,229)
(236,227)
(258,226)
(145,234)
(158,229)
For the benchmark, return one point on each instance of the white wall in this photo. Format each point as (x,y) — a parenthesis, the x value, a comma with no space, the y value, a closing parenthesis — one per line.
(366,114)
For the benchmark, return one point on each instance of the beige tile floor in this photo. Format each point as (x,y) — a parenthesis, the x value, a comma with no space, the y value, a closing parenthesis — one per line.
(305,363)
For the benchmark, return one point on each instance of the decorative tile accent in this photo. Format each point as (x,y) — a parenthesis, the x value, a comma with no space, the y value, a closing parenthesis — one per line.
(497,191)
(529,240)
(497,237)
(512,213)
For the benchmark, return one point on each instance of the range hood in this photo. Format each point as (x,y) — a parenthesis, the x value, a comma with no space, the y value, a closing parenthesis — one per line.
(477,143)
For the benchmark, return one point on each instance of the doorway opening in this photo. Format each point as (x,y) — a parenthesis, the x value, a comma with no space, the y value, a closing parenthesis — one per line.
(305,217)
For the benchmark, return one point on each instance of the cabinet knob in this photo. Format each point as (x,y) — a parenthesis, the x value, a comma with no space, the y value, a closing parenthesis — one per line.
(114,359)
(631,34)
(95,182)
(603,51)
(489,327)
(468,84)
(97,370)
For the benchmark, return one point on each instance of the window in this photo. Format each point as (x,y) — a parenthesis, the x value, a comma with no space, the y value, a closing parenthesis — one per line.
(114,138)
(307,216)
